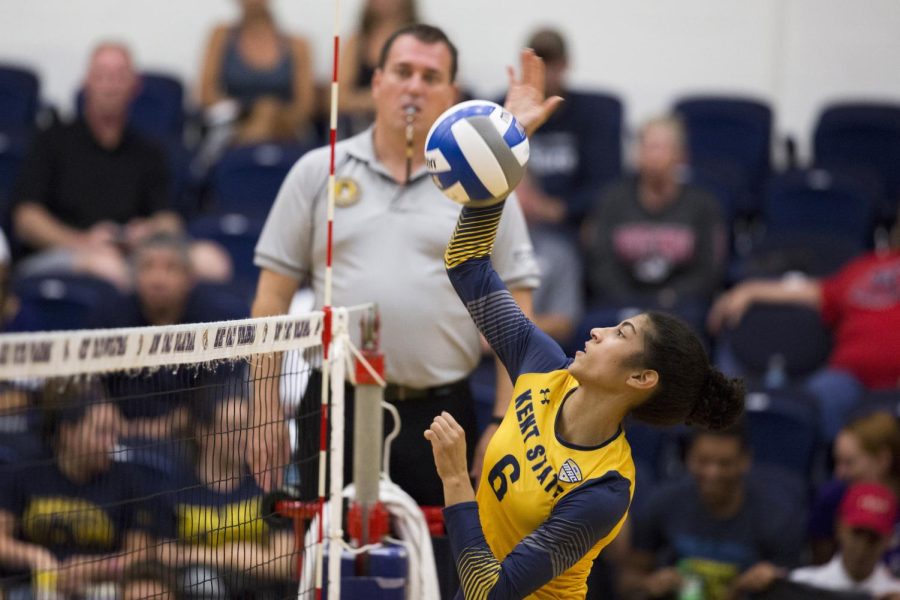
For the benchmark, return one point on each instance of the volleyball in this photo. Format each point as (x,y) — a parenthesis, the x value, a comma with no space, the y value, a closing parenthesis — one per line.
(476,152)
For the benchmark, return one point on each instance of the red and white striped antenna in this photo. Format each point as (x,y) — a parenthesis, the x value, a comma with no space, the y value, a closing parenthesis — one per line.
(327,329)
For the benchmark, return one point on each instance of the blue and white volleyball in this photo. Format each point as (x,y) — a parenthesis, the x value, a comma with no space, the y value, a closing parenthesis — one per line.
(476,152)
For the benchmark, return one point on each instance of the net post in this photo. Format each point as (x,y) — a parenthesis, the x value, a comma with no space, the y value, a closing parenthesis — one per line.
(338,378)
(327,334)
(368,434)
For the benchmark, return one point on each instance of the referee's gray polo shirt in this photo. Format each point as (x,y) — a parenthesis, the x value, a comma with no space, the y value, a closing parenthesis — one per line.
(389,242)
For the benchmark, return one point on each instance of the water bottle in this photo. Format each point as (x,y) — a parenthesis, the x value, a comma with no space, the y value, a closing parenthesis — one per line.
(691,587)
(776,376)
(691,583)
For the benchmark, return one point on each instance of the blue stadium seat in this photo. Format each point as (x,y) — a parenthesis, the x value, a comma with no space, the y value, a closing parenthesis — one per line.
(59,302)
(729,139)
(247,179)
(727,182)
(238,234)
(782,430)
(13,148)
(816,255)
(158,110)
(786,337)
(19,98)
(817,201)
(863,139)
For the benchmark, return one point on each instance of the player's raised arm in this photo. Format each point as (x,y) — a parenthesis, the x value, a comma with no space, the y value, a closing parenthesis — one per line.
(516,340)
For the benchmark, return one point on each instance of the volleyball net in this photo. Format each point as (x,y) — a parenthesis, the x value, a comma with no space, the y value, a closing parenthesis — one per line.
(124,459)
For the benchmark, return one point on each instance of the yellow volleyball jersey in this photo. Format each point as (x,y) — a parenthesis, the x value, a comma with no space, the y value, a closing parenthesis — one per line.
(545,508)
(528,469)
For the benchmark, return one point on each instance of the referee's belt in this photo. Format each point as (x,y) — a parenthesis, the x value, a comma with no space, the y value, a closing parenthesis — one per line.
(399,393)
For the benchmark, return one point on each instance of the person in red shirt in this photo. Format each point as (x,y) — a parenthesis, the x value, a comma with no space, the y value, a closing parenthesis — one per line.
(861,305)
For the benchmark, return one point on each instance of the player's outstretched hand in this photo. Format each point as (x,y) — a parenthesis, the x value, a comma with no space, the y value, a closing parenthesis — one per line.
(525,97)
(448,443)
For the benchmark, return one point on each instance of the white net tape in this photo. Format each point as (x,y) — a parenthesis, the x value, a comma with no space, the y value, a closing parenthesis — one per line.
(91,351)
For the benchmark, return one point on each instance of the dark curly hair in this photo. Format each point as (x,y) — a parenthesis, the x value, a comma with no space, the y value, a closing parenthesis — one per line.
(690,389)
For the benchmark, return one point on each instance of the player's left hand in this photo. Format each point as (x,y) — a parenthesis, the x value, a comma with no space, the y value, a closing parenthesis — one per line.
(525,97)
(448,443)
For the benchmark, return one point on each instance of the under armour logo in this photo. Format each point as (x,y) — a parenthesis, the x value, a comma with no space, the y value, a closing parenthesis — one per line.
(546,396)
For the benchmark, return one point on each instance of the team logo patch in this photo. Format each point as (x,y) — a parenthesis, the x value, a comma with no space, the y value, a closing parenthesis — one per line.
(570,472)
(346,192)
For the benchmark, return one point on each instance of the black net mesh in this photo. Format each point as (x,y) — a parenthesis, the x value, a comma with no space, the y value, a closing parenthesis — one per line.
(136,483)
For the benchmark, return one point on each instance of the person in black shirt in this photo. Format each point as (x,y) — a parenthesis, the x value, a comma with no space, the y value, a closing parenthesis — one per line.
(91,187)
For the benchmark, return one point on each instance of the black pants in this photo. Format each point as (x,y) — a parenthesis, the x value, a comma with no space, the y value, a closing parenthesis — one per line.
(412,462)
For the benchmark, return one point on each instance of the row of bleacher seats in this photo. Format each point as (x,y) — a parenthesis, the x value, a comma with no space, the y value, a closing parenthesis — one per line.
(730,143)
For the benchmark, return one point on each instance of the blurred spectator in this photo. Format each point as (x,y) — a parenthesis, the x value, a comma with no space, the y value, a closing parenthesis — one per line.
(72,520)
(652,241)
(861,305)
(865,525)
(90,188)
(256,72)
(866,449)
(704,533)
(866,522)
(165,293)
(210,520)
(559,301)
(570,155)
(360,57)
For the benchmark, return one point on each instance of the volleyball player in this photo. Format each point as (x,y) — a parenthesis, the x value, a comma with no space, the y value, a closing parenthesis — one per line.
(558,475)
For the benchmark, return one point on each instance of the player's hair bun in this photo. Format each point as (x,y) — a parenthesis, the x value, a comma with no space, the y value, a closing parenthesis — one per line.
(720,403)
